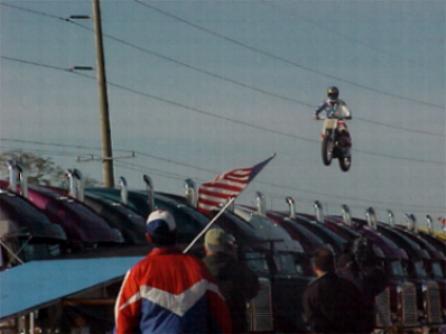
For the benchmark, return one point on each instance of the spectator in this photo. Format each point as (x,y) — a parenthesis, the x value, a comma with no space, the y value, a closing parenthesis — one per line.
(167,291)
(331,304)
(236,281)
(360,265)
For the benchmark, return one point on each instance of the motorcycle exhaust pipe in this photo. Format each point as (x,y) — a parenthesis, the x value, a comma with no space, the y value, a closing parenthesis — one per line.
(370,216)
(411,222)
(292,206)
(79,182)
(429,224)
(346,214)
(319,211)
(260,203)
(150,195)
(12,175)
(390,218)
(23,178)
(190,192)
(124,190)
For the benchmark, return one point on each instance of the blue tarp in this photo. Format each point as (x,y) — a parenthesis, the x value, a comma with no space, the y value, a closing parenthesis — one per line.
(37,283)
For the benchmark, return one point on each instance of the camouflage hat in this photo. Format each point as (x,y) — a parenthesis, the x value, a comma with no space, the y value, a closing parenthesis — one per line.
(217,240)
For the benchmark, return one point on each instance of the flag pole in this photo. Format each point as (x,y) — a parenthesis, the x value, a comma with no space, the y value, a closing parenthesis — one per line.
(208,226)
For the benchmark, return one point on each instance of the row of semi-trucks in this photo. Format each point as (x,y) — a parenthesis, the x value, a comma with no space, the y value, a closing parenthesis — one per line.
(41,222)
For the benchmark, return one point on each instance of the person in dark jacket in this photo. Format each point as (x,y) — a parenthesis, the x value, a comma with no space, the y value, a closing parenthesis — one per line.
(359,265)
(236,281)
(331,304)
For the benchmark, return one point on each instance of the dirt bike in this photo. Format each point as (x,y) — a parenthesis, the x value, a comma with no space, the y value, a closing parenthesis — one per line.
(336,142)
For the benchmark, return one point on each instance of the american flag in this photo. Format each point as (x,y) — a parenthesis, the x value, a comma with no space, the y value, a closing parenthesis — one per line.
(442,221)
(213,194)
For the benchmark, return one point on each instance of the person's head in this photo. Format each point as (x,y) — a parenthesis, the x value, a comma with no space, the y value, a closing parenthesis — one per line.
(161,228)
(333,93)
(216,240)
(323,261)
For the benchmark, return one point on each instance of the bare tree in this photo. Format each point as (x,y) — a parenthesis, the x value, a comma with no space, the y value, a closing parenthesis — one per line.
(40,170)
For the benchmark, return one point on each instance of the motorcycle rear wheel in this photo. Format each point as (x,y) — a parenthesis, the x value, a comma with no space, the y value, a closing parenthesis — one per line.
(327,150)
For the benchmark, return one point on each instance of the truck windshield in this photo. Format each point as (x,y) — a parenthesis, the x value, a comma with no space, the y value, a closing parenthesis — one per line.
(397,268)
(257,262)
(437,271)
(37,251)
(266,229)
(420,271)
(287,264)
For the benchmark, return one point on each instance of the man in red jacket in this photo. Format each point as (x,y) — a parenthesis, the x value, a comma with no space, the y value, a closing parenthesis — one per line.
(167,291)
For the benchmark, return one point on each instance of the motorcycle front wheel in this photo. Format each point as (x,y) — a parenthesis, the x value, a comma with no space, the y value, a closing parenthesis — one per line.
(345,163)
(327,150)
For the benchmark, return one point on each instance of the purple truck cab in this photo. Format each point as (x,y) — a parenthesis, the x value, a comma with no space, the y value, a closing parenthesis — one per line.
(81,224)
(26,233)
(83,228)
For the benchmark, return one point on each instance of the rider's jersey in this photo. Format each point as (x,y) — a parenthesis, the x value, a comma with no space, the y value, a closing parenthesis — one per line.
(338,109)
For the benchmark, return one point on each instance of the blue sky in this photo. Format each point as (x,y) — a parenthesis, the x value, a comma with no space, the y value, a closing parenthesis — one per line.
(268,64)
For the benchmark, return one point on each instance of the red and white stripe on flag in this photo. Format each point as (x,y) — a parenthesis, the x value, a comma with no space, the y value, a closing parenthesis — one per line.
(213,194)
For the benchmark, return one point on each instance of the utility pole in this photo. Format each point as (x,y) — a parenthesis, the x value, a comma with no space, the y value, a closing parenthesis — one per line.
(106,144)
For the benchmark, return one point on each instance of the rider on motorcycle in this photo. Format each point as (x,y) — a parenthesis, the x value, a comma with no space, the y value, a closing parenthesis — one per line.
(336,140)
(333,106)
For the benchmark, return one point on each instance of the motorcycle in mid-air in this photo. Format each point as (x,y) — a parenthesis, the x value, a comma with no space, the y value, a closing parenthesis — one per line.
(336,140)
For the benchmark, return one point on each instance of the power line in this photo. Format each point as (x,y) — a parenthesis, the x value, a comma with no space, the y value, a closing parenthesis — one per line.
(215,172)
(249,86)
(52,67)
(338,203)
(97,148)
(349,198)
(279,186)
(330,30)
(218,76)
(398,127)
(245,85)
(177,176)
(231,120)
(260,127)
(286,60)
(154,170)
(119,165)
(32,11)
(48,152)
(74,146)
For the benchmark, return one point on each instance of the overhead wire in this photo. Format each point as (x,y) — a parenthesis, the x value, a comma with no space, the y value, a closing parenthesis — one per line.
(120,165)
(155,170)
(225,78)
(250,86)
(7,148)
(306,191)
(32,11)
(59,68)
(285,60)
(214,172)
(225,118)
(354,41)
